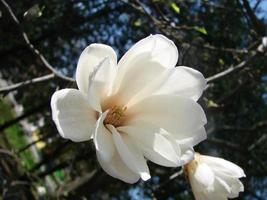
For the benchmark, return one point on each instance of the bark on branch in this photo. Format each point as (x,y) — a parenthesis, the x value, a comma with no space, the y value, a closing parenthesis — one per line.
(22,84)
(35,51)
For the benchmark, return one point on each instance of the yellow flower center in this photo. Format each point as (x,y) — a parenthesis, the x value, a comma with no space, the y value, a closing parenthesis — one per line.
(115,116)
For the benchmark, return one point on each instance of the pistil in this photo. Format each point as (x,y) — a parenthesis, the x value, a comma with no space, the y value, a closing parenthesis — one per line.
(115,116)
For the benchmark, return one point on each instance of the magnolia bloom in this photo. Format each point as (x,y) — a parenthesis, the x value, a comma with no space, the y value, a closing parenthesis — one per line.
(139,108)
(214,178)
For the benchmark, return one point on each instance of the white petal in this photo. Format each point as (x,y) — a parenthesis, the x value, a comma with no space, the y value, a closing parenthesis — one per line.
(117,169)
(103,140)
(142,64)
(222,186)
(202,193)
(158,49)
(72,114)
(89,60)
(187,154)
(221,165)
(215,195)
(181,117)
(130,154)
(100,83)
(201,196)
(198,190)
(204,176)
(182,81)
(154,146)
(197,136)
(140,73)
(233,183)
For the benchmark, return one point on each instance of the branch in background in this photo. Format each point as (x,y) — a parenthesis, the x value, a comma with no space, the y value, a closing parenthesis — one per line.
(240,149)
(256,5)
(232,69)
(34,142)
(258,141)
(171,177)
(35,51)
(141,9)
(258,125)
(23,116)
(224,143)
(25,83)
(156,191)
(60,166)
(61,148)
(258,26)
(9,153)
(229,50)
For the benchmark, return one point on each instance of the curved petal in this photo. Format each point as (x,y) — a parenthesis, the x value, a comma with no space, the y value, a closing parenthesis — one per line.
(117,169)
(142,64)
(222,186)
(158,48)
(223,166)
(182,81)
(89,60)
(154,146)
(235,186)
(72,114)
(103,139)
(187,154)
(204,176)
(130,154)
(196,136)
(198,191)
(142,73)
(180,117)
(100,83)
(201,196)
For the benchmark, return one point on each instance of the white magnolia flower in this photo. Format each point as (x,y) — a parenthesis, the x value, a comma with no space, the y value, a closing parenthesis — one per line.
(141,107)
(213,178)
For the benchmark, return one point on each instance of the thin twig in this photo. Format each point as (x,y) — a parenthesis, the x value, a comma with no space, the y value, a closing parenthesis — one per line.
(34,142)
(232,69)
(7,152)
(27,82)
(61,148)
(35,51)
(171,177)
(23,116)
(229,50)
(258,141)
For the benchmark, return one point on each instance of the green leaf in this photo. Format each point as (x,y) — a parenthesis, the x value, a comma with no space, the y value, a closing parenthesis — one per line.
(201,30)
(137,23)
(34,12)
(221,61)
(212,104)
(175,7)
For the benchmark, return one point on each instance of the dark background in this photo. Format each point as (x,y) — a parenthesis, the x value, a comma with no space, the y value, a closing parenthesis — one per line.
(211,36)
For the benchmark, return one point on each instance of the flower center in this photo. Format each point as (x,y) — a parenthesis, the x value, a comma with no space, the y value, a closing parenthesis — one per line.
(115,116)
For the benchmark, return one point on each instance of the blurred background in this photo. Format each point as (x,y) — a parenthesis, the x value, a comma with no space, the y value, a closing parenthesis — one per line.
(40,43)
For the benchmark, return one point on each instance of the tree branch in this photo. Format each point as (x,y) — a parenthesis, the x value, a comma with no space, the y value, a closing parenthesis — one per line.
(258,26)
(35,51)
(23,116)
(34,142)
(232,69)
(27,82)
